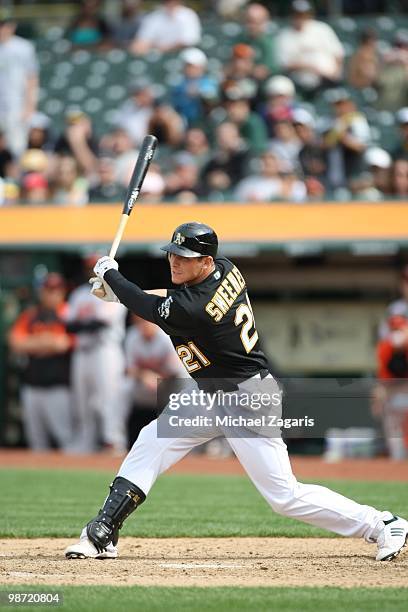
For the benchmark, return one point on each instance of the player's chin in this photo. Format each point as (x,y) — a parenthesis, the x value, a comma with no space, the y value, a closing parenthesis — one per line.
(176,280)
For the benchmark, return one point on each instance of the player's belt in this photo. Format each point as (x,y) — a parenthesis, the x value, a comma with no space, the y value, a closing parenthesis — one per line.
(212,385)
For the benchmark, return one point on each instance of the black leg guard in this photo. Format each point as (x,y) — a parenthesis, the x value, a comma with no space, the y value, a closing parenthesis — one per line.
(123,499)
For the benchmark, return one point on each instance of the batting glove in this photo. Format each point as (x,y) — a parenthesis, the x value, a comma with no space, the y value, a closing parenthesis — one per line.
(104,264)
(102,290)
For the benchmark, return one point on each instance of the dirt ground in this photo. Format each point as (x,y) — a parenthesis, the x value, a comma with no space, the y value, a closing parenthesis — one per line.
(206,562)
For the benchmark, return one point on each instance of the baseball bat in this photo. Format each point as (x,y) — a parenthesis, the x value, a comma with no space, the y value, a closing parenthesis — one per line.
(143,161)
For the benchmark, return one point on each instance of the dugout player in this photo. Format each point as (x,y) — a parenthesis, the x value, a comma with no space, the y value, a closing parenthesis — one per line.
(40,335)
(211,324)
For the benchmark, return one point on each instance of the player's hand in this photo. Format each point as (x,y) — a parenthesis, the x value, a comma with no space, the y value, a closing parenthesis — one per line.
(104,264)
(102,290)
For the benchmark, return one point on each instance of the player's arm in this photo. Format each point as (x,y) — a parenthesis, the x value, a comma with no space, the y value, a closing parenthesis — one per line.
(130,295)
(158,292)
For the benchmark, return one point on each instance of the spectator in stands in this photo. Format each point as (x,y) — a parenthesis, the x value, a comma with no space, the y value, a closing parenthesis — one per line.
(293,189)
(347,141)
(286,144)
(78,141)
(239,72)
(312,156)
(35,189)
(168,28)
(135,113)
(196,143)
(393,78)
(69,187)
(309,50)
(150,358)
(18,86)
(362,187)
(401,150)
(280,94)
(364,65)
(89,28)
(40,335)
(189,96)
(379,163)
(124,30)
(39,135)
(182,183)
(153,186)
(228,163)
(35,161)
(7,164)
(229,9)
(257,36)
(118,146)
(251,127)
(400,178)
(166,124)
(107,189)
(262,186)
(275,181)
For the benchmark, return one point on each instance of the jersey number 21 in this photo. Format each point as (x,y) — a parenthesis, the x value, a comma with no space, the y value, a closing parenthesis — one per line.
(245,315)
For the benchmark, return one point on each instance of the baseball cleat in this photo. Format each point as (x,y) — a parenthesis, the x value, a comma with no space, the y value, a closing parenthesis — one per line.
(84,549)
(392,539)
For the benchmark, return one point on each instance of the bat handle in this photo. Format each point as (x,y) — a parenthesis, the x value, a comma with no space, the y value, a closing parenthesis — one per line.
(98,286)
(115,244)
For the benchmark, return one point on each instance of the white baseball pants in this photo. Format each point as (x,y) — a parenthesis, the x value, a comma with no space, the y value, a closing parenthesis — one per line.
(267,463)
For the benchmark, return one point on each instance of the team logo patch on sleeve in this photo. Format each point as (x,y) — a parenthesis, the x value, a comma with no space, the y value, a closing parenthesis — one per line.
(164,308)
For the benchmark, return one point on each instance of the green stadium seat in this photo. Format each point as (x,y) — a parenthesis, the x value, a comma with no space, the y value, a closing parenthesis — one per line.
(53,107)
(208,42)
(76,93)
(231,29)
(99,66)
(116,93)
(116,56)
(93,105)
(136,67)
(60,47)
(80,57)
(95,81)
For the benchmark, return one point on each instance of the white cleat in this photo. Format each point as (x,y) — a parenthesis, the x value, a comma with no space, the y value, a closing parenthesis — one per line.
(84,549)
(392,539)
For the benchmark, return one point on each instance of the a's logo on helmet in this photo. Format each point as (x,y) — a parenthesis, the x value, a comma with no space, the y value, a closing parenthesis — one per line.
(179,239)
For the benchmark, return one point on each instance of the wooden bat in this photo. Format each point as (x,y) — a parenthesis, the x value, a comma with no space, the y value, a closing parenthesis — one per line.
(141,167)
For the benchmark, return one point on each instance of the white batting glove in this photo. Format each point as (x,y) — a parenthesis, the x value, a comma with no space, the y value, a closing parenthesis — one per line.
(104,264)
(101,290)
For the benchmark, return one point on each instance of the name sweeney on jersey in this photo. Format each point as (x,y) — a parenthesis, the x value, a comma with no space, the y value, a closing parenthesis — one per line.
(226,294)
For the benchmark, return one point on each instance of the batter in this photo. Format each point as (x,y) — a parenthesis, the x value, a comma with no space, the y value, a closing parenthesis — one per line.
(211,324)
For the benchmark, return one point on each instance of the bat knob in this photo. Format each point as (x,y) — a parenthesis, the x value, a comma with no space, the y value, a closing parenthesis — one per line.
(97,288)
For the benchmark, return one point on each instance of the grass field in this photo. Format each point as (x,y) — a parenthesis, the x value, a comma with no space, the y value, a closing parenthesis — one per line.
(151,599)
(57,503)
(53,503)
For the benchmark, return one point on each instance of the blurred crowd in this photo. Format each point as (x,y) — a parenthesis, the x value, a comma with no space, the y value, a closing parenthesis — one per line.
(89,371)
(250,132)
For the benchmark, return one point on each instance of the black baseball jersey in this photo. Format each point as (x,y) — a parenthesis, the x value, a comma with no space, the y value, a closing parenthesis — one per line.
(212,326)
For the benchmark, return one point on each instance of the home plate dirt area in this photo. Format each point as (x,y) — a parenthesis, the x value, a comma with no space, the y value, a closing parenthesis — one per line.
(206,562)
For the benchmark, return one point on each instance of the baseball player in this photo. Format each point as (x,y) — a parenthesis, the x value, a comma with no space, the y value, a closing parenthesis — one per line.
(100,329)
(40,335)
(390,396)
(211,324)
